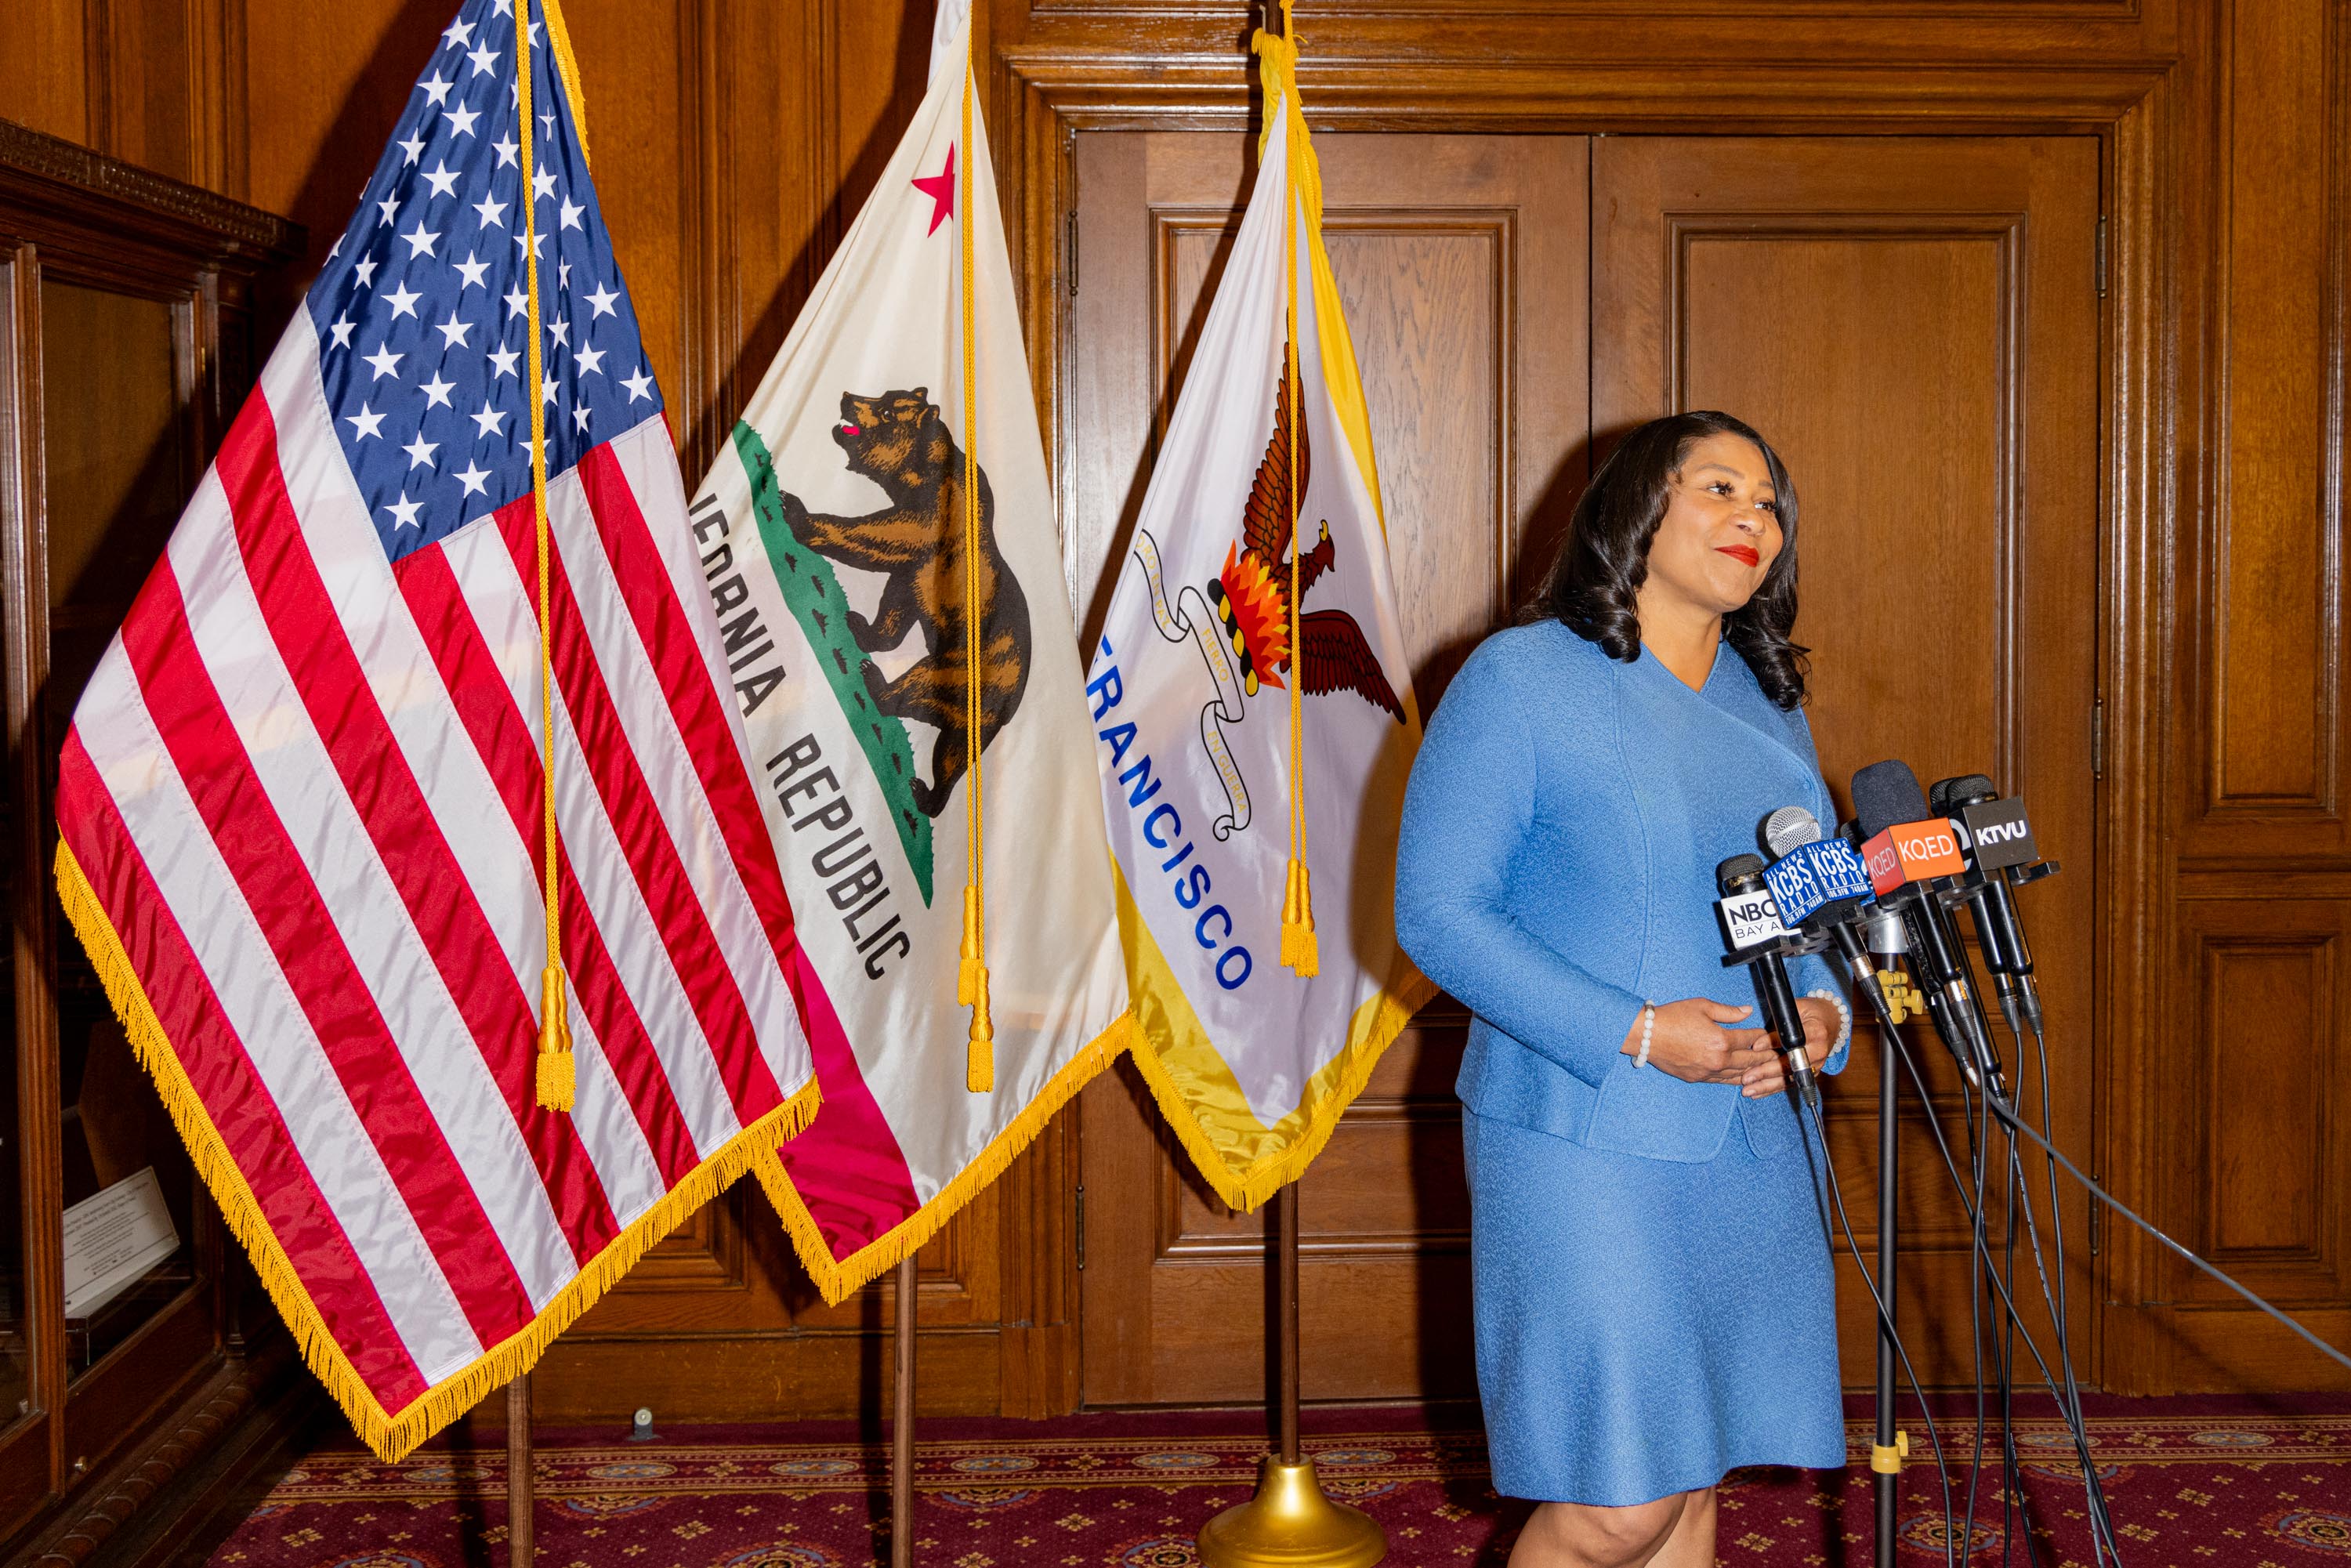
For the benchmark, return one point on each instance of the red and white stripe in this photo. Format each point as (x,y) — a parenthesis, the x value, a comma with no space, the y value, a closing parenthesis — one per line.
(304,783)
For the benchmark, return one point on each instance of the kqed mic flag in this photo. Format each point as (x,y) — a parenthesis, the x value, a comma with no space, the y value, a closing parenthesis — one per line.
(1254,714)
(878,539)
(301,806)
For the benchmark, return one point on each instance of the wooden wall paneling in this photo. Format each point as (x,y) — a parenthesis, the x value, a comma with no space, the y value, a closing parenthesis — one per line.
(2255,869)
(2260,1154)
(44,76)
(159,83)
(324,86)
(140,57)
(749,173)
(2272,627)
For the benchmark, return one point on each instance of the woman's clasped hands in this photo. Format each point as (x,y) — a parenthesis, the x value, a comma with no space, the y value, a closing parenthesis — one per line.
(1692,1040)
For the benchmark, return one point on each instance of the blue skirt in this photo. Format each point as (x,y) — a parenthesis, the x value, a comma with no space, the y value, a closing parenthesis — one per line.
(1646,1325)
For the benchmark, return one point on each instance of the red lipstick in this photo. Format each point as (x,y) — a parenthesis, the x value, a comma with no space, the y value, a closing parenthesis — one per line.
(1741,553)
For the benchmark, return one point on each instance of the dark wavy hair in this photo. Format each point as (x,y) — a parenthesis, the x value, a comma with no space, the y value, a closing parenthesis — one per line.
(1604,558)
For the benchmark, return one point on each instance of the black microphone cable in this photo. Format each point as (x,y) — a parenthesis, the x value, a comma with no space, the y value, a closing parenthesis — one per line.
(2094,1490)
(1990,1273)
(2008,1119)
(1981,1253)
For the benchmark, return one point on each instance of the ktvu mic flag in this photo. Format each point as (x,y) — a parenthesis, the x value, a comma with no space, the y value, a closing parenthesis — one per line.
(1261,523)
(300,806)
(858,597)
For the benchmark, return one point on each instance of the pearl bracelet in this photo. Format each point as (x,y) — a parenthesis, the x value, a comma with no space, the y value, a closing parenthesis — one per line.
(1845,1020)
(1648,1023)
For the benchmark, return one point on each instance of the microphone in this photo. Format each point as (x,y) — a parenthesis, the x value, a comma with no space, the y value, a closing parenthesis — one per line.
(1820,884)
(1995,836)
(1909,852)
(1740,880)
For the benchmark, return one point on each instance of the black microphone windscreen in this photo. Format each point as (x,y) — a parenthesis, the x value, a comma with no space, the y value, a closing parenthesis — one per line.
(1738,868)
(1967,790)
(1885,793)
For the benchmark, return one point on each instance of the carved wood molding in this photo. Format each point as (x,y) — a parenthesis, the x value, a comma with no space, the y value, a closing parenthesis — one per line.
(1095,89)
(40,172)
(1479,13)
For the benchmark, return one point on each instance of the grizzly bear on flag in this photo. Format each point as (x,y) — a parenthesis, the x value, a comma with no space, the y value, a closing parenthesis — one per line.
(899,441)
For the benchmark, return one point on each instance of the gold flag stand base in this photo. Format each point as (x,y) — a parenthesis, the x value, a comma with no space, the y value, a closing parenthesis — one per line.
(1291,1524)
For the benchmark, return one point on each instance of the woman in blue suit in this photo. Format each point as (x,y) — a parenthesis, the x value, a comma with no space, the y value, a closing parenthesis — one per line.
(1654,1302)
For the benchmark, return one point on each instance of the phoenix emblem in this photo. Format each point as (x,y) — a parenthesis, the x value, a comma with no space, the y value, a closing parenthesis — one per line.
(1251,594)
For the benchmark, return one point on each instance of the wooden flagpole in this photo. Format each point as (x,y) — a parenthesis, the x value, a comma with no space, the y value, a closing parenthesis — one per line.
(520,1550)
(902,1422)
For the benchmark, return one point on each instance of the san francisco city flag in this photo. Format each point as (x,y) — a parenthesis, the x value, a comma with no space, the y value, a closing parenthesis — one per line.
(868,609)
(1250,664)
(301,823)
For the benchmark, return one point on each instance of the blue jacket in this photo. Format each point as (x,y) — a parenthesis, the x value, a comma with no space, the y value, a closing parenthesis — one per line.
(1556,870)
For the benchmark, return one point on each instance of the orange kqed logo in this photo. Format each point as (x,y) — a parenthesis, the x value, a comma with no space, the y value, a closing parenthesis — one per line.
(1928,849)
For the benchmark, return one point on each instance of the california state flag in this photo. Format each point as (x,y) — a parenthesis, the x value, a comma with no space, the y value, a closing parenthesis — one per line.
(1254,714)
(867,611)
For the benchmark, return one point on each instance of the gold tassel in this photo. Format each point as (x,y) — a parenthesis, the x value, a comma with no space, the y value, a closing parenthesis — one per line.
(979,1059)
(555,1070)
(1299,950)
(969,972)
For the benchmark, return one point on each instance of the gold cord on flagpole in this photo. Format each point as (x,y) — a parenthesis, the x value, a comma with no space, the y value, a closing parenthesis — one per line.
(971,973)
(555,1066)
(1299,950)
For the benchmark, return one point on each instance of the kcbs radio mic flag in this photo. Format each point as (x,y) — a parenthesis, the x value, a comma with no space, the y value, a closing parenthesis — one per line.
(878,540)
(307,804)
(1254,713)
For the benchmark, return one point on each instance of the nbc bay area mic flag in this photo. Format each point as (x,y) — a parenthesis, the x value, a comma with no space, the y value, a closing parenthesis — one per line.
(833,546)
(300,803)
(1192,684)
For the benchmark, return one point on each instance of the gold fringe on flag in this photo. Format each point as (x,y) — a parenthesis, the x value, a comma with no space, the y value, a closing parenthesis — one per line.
(838,1279)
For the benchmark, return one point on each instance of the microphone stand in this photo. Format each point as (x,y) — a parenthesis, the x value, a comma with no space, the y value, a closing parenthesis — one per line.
(1886,1453)
(1891,1445)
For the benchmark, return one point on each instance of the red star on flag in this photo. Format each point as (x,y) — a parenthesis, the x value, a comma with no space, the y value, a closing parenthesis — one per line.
(940,188)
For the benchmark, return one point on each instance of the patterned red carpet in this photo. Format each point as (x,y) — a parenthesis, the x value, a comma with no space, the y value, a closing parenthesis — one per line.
(2192,1483)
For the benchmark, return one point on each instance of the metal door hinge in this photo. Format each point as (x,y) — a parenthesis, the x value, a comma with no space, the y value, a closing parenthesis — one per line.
(2097,1230)
(2102,255)
(1081,1227)
(2098,738)
(1073,240)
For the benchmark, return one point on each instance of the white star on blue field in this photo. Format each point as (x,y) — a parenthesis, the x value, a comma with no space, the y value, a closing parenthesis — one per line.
(421,309)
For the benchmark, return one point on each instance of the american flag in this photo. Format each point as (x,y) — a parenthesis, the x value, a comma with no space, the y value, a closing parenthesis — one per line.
(300,805)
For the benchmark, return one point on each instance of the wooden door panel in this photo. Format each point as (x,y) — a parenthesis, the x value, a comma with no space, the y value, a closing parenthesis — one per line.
(1913,324)
(1461,262)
